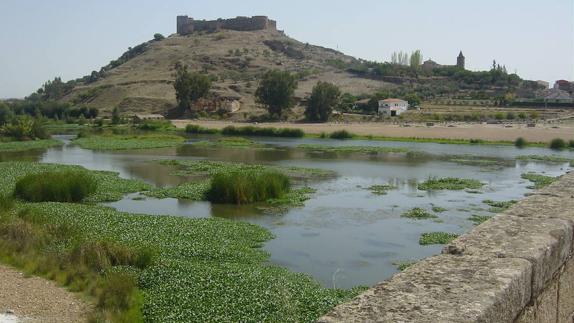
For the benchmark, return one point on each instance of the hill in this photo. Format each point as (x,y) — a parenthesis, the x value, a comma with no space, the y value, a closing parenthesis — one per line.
(235,56)
(142,79)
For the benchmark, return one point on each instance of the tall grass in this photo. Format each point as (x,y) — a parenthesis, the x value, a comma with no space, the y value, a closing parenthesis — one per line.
(58,186)
(6,202)
(341,134)
(266,132)
(247,187)
(29,241)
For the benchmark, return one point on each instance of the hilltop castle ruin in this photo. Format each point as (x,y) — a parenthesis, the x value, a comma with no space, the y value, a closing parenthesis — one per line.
(187,25)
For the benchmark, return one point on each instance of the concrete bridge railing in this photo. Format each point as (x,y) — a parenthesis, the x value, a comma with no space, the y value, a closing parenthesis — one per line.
(516,267)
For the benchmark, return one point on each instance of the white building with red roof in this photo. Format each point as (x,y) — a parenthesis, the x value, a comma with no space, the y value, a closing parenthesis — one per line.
(393,107)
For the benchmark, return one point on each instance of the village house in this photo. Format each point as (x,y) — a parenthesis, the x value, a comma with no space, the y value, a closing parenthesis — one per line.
(393,107)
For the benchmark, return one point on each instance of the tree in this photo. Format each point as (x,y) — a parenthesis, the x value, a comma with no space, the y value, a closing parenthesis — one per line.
(400,58)
(346,102)
(189,87)
(413,99)
(416,59)
(158,37)
(323,98)
(276,90)
(54,90)
(116,118)
(5,114)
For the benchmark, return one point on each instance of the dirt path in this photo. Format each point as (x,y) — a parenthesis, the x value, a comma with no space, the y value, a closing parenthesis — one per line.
(540,133)
(36,299)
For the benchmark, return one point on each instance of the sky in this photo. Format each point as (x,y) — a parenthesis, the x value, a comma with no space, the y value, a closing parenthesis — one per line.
(70,38)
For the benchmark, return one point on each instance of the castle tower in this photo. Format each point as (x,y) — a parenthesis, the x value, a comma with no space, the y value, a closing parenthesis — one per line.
(460,61)
(184,25)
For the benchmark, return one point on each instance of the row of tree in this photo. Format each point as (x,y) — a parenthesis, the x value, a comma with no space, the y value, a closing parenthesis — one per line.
(276,93)
(49,109)
(414,60)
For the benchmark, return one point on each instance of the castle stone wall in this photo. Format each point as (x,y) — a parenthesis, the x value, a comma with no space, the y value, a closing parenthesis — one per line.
(187,25)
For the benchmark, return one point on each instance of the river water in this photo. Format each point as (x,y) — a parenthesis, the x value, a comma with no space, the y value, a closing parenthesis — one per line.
(345,235)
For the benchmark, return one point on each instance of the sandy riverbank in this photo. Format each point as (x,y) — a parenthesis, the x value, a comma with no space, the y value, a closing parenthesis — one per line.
(540,133)
(35,299)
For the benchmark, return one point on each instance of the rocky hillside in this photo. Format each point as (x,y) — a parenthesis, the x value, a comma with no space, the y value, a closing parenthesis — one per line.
(142,79)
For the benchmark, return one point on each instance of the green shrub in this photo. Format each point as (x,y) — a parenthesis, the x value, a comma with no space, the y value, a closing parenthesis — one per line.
(155,125)
(247,187)
(499,116)
(25,128)
(341,134)
(520,142)
(197,129)
(66,186)
(266,132)
(571,144)
(557,144)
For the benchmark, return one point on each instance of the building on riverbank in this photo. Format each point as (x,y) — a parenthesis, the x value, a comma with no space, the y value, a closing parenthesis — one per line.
(393,107)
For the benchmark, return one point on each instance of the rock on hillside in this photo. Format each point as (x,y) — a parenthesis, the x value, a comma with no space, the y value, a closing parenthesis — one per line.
(144,83)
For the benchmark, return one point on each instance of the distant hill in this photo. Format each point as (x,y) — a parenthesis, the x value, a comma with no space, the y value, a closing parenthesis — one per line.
(142,79)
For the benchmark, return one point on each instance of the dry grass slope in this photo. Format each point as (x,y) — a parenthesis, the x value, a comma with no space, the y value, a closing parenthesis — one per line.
(144,83)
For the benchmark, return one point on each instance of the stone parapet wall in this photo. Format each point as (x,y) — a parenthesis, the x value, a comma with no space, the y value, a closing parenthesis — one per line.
(516,267)
(187,25)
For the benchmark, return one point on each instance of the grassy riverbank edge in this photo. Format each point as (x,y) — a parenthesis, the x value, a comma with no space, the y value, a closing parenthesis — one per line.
(18,146)
(202,269)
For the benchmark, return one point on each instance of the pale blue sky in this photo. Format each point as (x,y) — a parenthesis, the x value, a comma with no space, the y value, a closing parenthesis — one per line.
(70,38)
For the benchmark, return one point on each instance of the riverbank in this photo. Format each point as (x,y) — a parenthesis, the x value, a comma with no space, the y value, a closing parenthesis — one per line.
(176,269)
(492,133)
(35,299)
